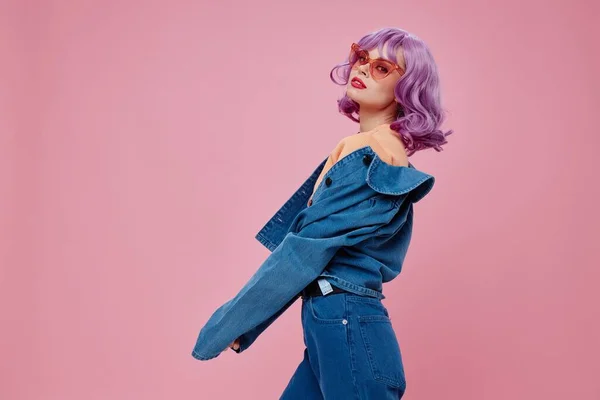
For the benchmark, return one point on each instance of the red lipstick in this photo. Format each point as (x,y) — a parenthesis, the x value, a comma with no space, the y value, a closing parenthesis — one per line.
(357,83)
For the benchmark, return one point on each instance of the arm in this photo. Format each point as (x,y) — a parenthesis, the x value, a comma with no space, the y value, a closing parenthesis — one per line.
(316,235)
(249,337)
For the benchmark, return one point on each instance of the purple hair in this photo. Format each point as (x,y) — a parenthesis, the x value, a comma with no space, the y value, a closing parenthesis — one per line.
(417,92)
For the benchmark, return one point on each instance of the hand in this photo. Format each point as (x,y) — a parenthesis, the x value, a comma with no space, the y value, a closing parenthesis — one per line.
(235,345)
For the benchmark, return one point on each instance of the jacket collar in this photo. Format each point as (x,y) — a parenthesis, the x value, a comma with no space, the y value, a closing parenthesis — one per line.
(397,180)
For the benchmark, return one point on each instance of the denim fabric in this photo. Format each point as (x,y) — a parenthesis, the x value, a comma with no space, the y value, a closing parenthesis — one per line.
(355,233)
(351,351)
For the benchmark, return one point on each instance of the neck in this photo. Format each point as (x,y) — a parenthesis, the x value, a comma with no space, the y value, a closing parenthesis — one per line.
(370,119)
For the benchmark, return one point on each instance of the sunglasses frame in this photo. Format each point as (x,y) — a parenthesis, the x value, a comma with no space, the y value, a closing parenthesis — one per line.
(355,49)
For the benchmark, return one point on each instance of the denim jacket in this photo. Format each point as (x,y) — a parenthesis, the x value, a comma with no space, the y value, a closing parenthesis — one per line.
(355,232)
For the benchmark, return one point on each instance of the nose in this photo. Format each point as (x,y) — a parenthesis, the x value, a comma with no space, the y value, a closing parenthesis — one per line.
(364,68)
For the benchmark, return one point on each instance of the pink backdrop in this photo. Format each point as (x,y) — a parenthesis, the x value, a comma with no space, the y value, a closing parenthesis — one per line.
(144,143)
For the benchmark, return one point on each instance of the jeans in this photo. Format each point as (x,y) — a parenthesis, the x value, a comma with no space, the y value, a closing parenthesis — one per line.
(351,351)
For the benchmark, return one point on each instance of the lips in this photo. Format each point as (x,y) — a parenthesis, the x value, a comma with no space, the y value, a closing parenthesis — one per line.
(357,83)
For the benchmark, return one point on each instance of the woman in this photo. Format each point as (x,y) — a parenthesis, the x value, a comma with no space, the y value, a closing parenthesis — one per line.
(345,231)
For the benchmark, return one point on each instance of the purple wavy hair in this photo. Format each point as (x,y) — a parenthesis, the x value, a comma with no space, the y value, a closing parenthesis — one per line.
(418,91)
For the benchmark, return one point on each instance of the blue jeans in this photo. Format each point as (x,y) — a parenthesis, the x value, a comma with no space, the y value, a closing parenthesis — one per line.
(351,351)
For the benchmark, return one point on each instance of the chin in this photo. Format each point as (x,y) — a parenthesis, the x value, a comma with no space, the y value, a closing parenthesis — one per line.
(353,94)
(363,101)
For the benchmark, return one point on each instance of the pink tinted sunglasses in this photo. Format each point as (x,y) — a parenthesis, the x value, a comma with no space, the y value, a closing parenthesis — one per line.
(379,67)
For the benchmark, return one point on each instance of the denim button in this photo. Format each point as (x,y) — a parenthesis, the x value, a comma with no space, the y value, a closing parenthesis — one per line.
(328,181)
(367,159)
(344,321)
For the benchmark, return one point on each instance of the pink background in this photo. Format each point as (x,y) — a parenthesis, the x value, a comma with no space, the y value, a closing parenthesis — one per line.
(144,143)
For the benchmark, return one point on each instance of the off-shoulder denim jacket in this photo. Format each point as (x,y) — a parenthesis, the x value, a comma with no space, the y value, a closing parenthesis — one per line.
(355,232)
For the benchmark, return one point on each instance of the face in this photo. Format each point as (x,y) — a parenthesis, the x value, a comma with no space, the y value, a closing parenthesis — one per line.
(379,92)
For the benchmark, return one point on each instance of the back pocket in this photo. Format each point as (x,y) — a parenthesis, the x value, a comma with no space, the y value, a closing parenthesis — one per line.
(382,350)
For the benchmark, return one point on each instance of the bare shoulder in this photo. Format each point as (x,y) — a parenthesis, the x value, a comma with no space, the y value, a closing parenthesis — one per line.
(384,141)
(352,143)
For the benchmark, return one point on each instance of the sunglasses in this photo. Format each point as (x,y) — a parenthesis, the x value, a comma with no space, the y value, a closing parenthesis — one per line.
(379,67)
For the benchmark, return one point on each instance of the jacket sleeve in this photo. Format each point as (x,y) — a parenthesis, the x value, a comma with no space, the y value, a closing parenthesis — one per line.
(246,339)
(317,233)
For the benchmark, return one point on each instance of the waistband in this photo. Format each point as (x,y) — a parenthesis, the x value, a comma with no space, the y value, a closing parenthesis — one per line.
(314,289)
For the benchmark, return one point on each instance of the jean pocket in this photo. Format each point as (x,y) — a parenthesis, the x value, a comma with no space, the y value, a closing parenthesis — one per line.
(328,309)
(382,350)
